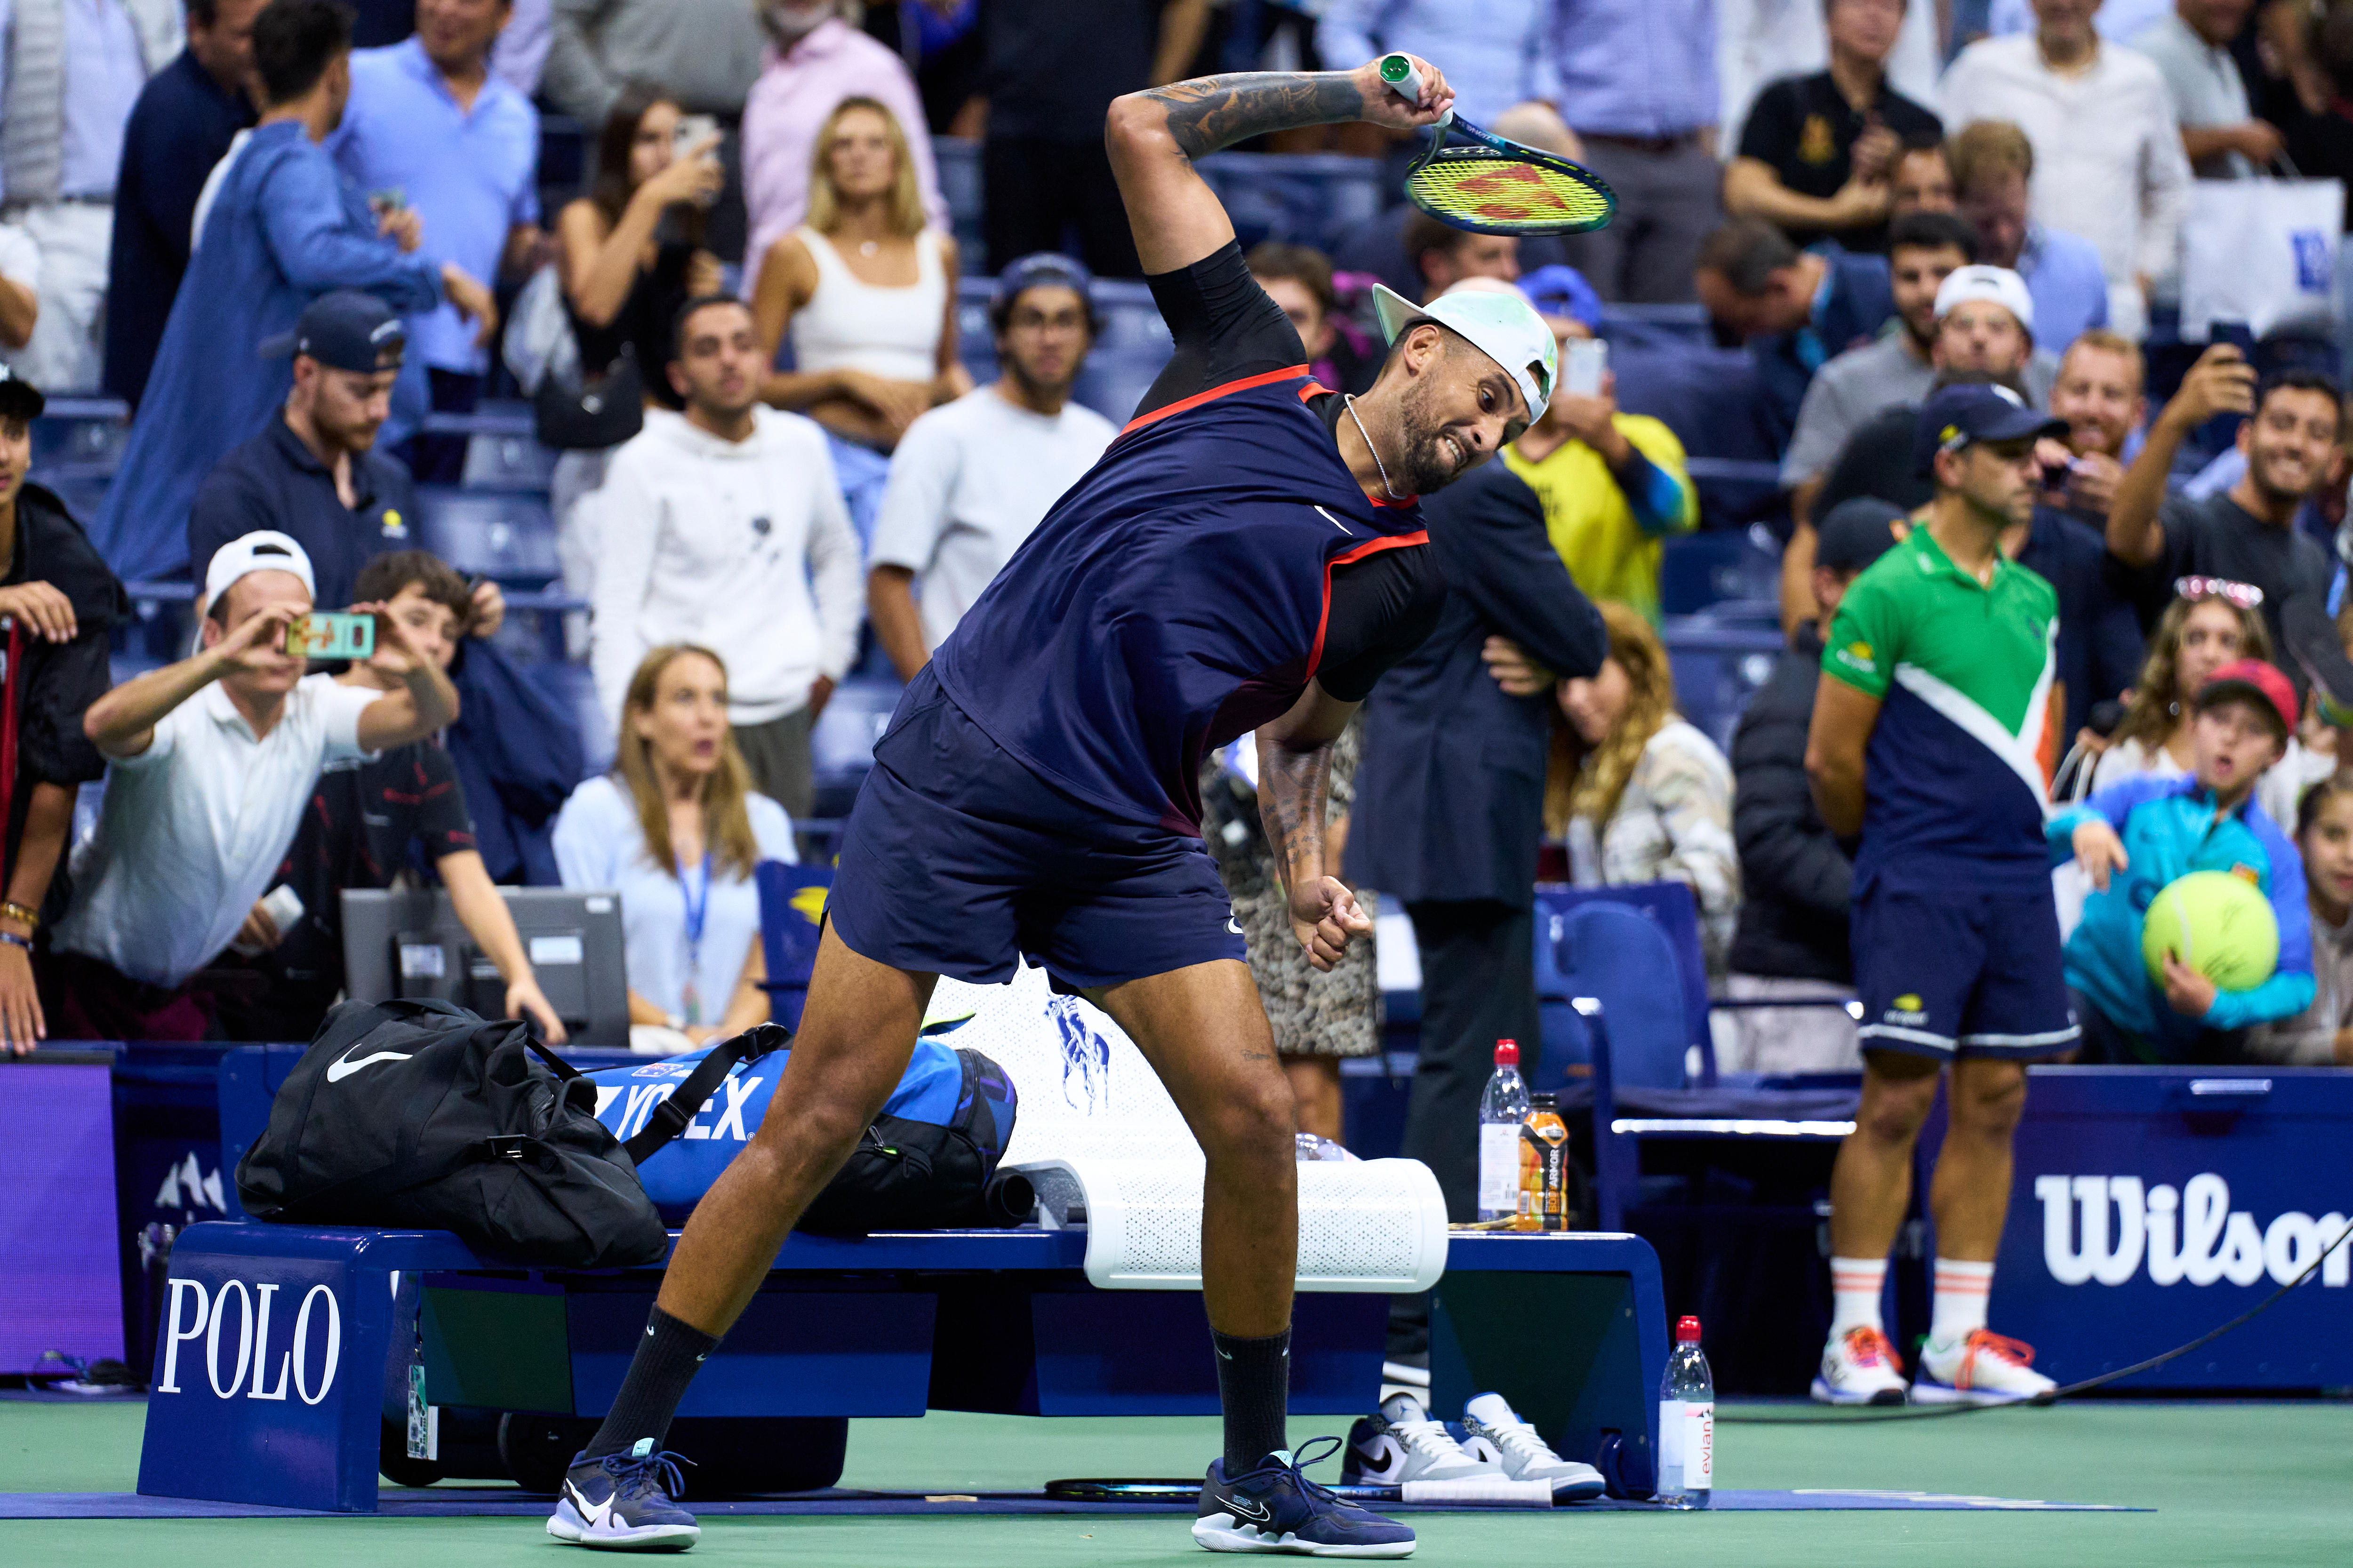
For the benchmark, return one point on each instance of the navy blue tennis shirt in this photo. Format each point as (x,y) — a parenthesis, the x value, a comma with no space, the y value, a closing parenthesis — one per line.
(274,481)
(1185,591)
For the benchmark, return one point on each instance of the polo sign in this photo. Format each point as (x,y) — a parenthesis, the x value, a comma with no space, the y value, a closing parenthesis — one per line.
(306,1365)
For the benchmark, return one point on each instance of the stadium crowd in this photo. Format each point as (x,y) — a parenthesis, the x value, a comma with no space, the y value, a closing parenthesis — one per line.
(304,243)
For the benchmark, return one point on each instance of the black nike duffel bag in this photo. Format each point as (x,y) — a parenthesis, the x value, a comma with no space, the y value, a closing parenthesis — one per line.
(417,1114)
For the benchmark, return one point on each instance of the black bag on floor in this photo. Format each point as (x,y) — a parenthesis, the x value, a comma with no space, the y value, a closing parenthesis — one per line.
(419,1114)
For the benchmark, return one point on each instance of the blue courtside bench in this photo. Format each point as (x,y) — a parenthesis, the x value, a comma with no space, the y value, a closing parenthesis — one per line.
(277,1343)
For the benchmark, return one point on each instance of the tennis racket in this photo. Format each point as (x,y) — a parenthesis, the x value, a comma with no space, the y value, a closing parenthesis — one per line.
(1492,186)
(1490,1491)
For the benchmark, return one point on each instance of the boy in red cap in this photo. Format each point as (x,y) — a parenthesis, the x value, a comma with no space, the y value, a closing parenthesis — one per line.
(2135,838)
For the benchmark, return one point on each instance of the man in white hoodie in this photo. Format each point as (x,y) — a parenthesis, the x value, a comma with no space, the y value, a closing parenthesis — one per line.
(726,529)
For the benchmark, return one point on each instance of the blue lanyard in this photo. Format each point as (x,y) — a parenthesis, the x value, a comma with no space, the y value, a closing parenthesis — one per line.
(697,909)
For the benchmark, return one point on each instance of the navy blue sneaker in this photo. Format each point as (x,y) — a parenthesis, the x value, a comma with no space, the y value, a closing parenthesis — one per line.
(1273,1508)
(621,1503)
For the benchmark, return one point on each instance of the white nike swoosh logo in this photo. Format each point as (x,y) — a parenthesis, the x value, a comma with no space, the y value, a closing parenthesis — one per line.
(1233,926)
(1258,1513)
(594,1518)
(343,1067)
(1336,522)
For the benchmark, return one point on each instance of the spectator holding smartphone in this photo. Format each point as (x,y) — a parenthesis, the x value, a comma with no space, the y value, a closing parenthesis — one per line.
(1612,484)
(2247,533)
(368,823)
(214,760)
(57,604)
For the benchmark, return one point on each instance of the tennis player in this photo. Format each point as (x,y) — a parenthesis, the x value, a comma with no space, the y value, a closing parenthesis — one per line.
(1247,555)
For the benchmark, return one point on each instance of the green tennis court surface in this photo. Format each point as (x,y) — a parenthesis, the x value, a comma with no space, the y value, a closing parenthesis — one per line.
(2236,1483)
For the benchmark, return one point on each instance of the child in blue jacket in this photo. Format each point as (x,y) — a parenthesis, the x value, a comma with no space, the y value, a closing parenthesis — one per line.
(2135,837)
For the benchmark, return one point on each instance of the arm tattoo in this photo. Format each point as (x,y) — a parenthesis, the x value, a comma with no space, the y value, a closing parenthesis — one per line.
(1292,787)
(1214,112)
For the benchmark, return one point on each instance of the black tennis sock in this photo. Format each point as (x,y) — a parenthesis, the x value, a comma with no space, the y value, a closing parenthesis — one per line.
(1254,1387)
(668,1357)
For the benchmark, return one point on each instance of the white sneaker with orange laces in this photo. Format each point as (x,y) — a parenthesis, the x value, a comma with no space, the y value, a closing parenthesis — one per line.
(1983,1369)
(1859,1367)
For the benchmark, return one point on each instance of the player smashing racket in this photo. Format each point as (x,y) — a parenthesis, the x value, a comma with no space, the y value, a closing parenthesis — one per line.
(1247,555)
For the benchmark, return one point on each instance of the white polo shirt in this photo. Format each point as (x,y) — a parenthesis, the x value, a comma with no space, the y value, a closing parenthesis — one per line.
(194,827)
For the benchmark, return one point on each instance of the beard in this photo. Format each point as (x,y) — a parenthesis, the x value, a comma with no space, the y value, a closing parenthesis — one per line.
(1423,465)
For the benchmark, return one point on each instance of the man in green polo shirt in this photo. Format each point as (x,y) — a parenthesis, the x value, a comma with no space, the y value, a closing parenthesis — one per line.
(1932,732)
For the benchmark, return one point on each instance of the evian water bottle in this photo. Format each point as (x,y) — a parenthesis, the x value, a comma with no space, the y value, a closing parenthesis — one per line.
(1502,1108)
(1686,1423)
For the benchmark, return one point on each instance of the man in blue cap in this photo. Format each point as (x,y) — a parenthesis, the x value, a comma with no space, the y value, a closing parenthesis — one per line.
(1937,688)
(314,474)
(971,479)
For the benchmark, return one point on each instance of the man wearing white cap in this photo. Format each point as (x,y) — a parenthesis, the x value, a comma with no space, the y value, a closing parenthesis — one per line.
(1247,555)
(1984,329)
(213,759)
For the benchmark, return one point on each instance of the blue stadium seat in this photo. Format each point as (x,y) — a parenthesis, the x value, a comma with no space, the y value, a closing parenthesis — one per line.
(1636,327)
(1674,988)
(843,740)
(1719,660)
(1699,570)
(509,463)
(1710,398)
(573,690)
(1306,198)
(487,534)
(958,161)
(79,438)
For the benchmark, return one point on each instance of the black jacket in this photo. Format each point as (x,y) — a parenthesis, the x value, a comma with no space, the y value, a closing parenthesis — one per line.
(1450,797)
(59,681)
(1795,880)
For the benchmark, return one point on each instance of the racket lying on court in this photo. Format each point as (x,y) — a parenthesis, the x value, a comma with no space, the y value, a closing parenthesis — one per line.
(1491,1491)
(1489,185)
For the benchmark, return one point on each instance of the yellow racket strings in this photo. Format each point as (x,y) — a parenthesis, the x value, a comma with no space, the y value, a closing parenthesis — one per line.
(1504,193)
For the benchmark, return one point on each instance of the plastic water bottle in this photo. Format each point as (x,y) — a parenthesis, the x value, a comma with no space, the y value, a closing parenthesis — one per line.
(1502,1108)
(1686,1423)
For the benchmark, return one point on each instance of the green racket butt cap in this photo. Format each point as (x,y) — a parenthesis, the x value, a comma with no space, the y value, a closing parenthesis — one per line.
(1498,322)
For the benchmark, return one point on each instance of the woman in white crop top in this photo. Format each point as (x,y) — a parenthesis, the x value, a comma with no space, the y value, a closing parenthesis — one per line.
(866,290)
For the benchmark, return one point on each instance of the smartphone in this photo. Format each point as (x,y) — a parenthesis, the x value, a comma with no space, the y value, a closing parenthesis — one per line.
(692,131)
(332,634)
(390,199)
(1589,361)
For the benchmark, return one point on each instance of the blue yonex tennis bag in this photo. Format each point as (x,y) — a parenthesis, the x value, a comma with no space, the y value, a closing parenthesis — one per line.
(927,1163)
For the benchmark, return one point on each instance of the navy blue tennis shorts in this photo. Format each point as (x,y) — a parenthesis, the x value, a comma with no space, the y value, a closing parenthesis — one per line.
(1974,974)
(956,857)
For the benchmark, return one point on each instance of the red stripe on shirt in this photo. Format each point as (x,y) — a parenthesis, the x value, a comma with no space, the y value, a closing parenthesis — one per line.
(1198,398)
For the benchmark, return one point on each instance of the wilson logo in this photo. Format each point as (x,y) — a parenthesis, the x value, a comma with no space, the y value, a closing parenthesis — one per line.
(193,1314)
(2105,1229)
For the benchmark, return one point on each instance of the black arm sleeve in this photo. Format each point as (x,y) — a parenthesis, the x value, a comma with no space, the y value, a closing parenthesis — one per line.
(1383,607)
(1224,326)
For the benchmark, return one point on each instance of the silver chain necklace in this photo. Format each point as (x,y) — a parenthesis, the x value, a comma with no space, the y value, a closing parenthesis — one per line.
(1348,401)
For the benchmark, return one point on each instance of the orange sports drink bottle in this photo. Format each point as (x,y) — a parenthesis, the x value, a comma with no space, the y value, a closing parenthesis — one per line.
(1544,1166)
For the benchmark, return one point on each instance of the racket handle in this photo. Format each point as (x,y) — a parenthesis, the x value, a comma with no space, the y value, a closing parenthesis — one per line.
(1404,79)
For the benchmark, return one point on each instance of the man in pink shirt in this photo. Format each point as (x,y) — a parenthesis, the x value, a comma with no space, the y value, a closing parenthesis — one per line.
(814,61)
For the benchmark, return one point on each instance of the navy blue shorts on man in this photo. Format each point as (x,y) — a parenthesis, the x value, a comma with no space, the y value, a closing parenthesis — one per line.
(956,858)
(1957,973)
